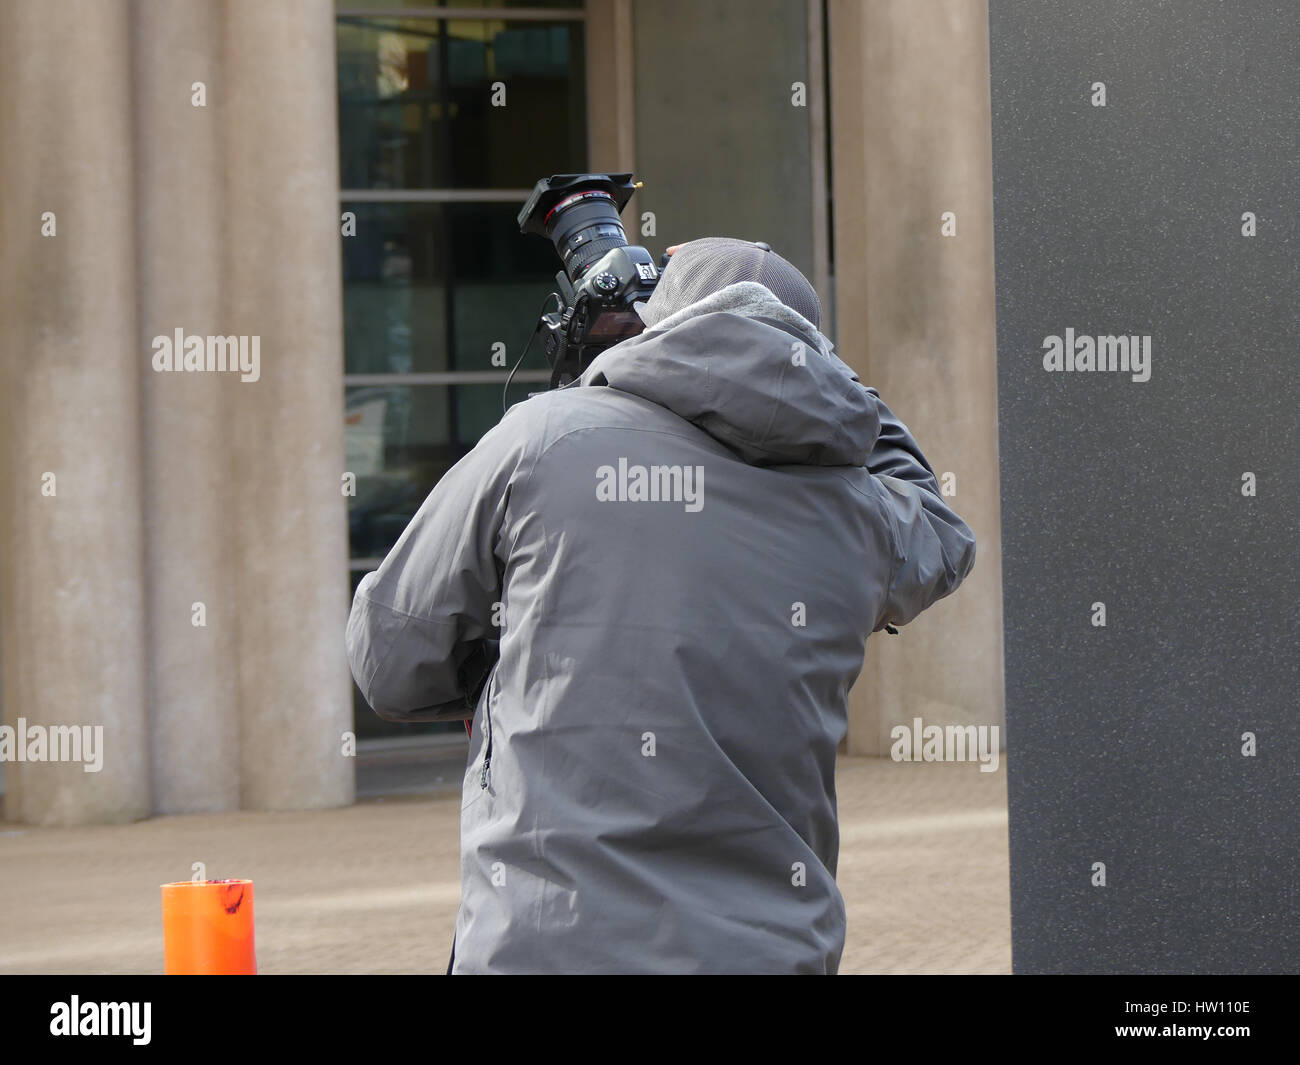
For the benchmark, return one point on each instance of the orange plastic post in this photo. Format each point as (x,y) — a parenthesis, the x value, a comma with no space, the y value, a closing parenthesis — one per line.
(208,928)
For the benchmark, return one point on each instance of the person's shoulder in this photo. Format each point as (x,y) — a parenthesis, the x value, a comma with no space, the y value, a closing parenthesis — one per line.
(545,416)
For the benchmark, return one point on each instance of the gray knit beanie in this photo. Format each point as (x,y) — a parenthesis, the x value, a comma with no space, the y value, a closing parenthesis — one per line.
(702,267)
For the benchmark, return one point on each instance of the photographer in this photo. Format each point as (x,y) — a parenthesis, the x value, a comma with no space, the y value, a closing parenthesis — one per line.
(681,555)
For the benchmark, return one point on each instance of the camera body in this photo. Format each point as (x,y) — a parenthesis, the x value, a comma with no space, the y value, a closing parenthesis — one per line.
(603,276)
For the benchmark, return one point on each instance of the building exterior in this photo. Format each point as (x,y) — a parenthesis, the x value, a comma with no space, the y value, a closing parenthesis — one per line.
(338,186)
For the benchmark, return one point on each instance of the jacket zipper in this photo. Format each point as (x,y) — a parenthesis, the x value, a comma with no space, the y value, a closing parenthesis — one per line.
(487,733)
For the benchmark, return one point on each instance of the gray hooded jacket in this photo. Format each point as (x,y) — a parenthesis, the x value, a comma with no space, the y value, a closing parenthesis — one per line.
(681,557)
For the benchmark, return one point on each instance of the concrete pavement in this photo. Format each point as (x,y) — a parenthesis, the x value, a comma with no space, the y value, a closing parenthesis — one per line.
(373,888)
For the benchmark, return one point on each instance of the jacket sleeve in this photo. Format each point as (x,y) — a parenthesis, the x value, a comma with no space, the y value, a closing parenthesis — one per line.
(421,636)
(935,549)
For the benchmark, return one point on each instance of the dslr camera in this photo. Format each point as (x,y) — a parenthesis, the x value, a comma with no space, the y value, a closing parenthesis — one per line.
(603,275)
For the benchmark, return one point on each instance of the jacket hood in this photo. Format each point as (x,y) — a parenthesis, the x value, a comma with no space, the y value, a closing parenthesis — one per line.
(753,374)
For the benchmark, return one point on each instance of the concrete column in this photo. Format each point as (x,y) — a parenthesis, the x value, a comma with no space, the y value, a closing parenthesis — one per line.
(188,465)
(611,97)
(70,561)
(288,520)
(611,88)
(910,121)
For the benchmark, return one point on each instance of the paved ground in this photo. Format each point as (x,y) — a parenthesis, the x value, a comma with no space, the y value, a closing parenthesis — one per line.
(373,888)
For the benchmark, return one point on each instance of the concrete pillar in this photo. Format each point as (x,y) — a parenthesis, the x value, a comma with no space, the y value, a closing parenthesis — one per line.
(188,467)
(288,521)
(611,97)
(611,87)
(71,562)
(172,489)
(910,122)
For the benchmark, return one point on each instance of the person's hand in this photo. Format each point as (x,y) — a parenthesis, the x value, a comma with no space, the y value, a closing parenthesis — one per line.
(670,250)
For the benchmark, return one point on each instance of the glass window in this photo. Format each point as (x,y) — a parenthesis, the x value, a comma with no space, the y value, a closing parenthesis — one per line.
(420,104)
(400,440)
(432,287)
(436,276)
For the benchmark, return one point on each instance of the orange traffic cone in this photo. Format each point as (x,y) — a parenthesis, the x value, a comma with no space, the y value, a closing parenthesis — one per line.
(208,928)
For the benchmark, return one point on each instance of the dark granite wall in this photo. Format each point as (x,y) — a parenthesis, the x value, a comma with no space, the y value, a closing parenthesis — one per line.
(1125,741)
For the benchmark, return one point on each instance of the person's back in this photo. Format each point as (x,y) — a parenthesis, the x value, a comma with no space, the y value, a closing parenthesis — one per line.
(682,556)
